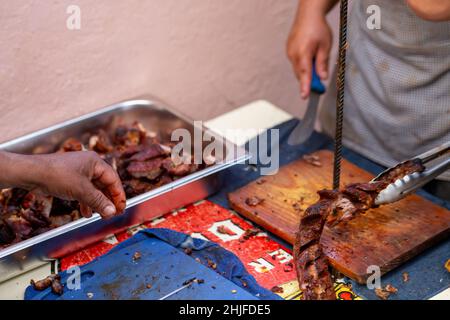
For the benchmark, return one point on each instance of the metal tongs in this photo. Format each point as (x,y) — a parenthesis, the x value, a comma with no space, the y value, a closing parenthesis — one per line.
(411,182)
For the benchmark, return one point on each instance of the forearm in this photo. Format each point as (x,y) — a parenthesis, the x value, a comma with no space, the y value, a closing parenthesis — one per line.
(16,170)
(432,10)
(314,7)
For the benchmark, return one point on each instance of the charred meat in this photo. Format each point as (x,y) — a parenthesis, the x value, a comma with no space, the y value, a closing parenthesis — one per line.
(142,162)
(332,208)
(53,281)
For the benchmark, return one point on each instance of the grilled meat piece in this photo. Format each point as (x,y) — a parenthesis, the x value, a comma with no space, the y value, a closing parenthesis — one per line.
(164,179)
(12,197)
(20,226)
(38,203)
(6,234)
(253,201)
(57,287)
(150,169)
(224,230)
(135,187)
(333,207)
(71,145)
(62,207)
(53,281)
(180,170)
(130,135)
(36,219)
(100,142)
(58,221)
(311,264)
(150,152)
(43,284)
(125,152)
(402,170)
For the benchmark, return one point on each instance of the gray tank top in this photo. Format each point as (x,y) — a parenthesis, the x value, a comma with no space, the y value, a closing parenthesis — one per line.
(397,98)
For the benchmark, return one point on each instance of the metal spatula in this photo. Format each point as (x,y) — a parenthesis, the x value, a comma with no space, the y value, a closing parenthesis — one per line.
(304,129)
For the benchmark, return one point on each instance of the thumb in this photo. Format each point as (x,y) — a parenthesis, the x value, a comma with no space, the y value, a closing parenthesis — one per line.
(97,201)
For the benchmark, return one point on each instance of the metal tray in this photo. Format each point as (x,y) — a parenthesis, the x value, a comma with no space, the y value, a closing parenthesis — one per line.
(31,253)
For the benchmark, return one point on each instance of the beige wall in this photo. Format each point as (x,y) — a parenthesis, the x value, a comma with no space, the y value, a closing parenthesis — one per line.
(205,57)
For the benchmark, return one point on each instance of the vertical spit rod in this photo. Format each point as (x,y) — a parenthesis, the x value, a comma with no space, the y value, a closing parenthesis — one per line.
(340,94)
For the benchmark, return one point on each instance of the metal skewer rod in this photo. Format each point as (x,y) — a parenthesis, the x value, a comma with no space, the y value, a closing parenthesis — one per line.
(340,94)
(340,104)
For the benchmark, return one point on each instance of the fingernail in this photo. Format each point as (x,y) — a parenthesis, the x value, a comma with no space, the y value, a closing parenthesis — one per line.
(109,211)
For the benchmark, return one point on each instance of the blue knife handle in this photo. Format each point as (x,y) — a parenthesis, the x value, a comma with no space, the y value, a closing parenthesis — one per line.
(316,85)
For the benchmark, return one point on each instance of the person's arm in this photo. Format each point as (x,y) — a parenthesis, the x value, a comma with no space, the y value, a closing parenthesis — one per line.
(310,38)
(432,10)
(81,176)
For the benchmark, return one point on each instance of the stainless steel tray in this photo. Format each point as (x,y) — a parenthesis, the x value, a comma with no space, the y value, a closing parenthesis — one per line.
(59,242)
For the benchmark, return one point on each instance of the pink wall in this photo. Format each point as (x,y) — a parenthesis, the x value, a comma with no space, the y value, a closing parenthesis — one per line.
(205,57)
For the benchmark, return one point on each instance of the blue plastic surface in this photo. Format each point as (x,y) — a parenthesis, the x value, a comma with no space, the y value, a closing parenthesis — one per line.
(163,265)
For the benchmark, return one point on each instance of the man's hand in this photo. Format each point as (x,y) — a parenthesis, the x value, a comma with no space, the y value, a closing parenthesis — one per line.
(310,39)
(81,176)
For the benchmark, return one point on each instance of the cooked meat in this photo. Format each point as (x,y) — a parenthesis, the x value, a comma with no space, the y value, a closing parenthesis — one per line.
(142,162)
(38,203)
(180,170)
(12,197)
(130,135)
(126,152)
(20,226)
(150,169)
(53,281)
(391,289)
(224,230)
(62,207)
(137,256)
(43,284)
(164,179)
(402,170)
(57,287)
(277,289)
(311,264)
(384,293)
(332,208)
(405,276)
(134,187)
(35,218)
(70,145)
(150,152)
(100,142)
(249,233)
(253,201)
(6,234)
(58,221)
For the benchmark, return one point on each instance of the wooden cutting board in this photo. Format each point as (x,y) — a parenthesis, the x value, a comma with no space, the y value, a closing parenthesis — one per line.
(386,237)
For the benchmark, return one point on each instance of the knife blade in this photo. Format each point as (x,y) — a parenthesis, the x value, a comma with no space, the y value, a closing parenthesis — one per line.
(305,128)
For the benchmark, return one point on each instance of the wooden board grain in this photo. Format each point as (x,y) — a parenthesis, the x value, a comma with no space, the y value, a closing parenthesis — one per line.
(385,237)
